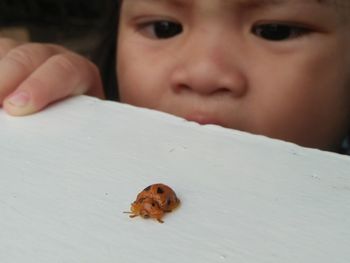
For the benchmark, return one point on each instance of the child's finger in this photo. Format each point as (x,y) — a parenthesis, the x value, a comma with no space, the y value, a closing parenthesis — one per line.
(60,76)
(6,44)
(18,63)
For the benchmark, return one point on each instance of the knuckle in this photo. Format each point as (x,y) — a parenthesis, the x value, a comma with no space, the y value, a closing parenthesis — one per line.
(64,63)
(35,49)
(7,44)
(21,57)
(30,55)
(74,64)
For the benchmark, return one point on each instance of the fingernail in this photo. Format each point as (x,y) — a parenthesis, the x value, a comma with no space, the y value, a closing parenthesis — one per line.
(19,98)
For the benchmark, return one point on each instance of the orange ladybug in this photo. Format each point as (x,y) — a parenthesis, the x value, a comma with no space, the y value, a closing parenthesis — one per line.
(154,201)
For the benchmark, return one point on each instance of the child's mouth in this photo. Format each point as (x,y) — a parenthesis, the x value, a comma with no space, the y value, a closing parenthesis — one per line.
(204,120)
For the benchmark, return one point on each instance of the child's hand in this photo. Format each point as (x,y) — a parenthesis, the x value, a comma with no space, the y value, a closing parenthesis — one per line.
(33,75)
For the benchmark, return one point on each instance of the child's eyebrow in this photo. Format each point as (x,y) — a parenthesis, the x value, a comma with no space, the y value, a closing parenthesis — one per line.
(340,6)
(237,2)
(172,2)
(248,4)
(259,3)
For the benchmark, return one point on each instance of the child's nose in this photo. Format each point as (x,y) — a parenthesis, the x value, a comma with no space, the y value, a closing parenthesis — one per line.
(209,71)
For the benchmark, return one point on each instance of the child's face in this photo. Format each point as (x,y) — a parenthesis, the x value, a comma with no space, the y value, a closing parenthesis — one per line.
(280,68)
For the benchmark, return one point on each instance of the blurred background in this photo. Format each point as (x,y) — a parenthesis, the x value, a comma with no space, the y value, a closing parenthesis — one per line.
(78,25)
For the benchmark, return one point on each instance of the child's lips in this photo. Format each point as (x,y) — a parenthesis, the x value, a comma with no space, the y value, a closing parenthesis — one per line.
(204,119)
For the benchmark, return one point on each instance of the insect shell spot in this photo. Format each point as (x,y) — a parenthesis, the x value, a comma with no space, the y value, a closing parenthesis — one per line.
(147,188)
(160,190)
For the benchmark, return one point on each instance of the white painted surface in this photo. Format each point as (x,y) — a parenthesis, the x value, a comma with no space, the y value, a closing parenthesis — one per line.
(69,172)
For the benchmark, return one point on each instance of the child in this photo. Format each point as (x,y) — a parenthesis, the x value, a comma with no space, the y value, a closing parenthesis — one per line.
(277,68)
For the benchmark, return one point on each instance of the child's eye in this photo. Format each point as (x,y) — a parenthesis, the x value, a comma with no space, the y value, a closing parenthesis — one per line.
(162,29)
(279,32)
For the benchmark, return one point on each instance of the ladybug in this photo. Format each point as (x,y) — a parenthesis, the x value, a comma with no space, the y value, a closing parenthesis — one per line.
(154,201)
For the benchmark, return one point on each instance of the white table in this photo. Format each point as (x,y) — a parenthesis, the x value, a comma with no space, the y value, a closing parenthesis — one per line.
(69,172)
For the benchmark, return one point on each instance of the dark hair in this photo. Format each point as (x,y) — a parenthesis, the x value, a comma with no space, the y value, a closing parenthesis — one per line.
(105,55)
